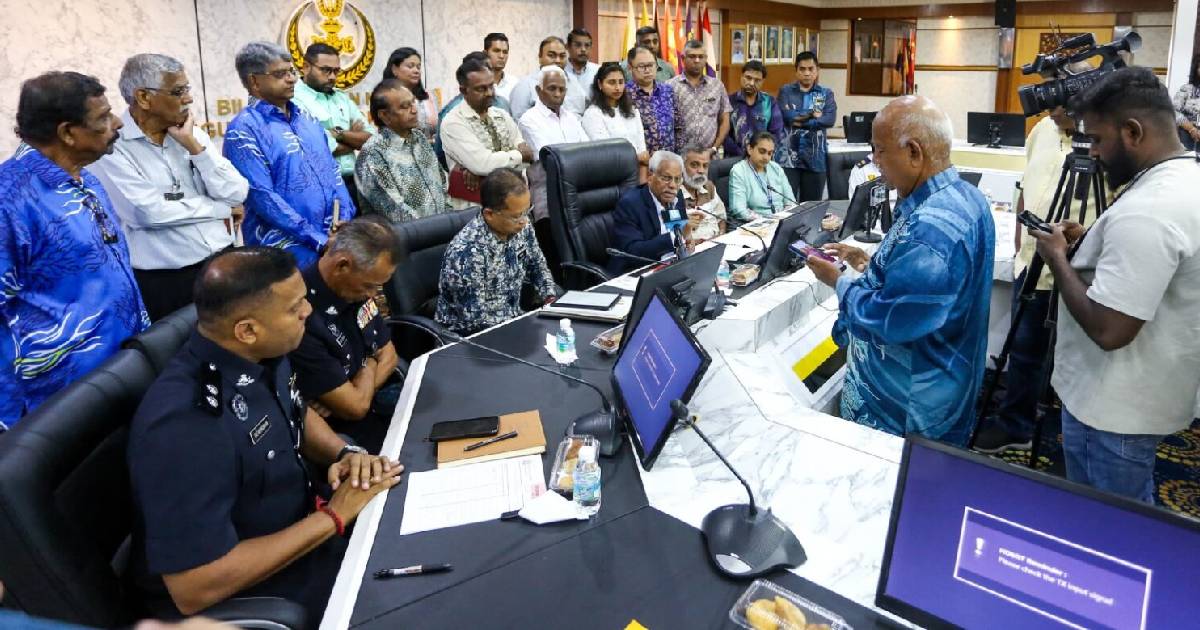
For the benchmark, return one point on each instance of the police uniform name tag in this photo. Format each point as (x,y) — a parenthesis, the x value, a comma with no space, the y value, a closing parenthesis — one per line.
(367,313)
(259,430)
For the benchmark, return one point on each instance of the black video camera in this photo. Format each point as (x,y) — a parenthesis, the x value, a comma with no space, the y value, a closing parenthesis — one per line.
(1055,92)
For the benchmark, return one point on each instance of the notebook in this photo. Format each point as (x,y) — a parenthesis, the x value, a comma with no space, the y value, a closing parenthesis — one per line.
(530,440)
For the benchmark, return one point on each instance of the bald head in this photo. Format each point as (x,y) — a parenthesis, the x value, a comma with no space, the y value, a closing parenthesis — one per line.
(912,140)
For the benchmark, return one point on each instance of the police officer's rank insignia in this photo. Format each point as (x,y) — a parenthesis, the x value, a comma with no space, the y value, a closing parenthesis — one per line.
(237,404)
(259,430)
(208,395)
(243,381)
(331,311)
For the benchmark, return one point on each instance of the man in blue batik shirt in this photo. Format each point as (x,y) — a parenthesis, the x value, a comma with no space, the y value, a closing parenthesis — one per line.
(68,295)
(808,110)
(915,323)
(283,152)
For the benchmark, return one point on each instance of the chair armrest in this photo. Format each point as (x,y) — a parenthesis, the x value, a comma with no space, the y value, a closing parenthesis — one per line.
(259,613)
(423,324)
(588,268)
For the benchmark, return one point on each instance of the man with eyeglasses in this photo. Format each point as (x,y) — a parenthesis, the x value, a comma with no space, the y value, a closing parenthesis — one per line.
(654,100)
(345,124)
(283,152)
(489,260)
(650,221)
(69,297)
(178,198)
(346,360)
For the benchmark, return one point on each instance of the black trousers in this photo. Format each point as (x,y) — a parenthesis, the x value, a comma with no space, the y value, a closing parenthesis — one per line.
(352,188)
(806,185)
(165,291)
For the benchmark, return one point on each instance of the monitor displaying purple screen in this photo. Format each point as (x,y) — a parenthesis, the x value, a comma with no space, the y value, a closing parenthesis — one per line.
(981,547)
(657,365)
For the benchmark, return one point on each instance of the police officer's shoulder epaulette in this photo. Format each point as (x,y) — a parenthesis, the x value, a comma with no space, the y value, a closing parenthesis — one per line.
(208,389)
(863,163)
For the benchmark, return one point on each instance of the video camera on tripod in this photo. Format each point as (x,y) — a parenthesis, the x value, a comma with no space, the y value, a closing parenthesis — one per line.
(1061,84)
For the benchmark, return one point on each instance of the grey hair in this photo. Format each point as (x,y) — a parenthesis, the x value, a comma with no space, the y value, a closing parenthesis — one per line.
(927,125)
(548,70)
(145,71)
(364,239)
(661,156)
(255,57)
(697,148)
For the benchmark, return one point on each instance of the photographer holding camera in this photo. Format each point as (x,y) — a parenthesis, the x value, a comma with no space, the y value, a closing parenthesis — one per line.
(1127,357)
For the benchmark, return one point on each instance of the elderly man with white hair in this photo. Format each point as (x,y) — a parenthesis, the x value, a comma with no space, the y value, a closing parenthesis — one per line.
(914,324)
(178,198)
(651,221)
(544,124)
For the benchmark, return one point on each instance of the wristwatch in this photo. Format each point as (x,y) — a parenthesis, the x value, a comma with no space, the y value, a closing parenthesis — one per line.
(349,448)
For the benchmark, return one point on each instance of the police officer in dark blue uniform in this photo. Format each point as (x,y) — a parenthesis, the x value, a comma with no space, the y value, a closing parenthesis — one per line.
(218,451)
(346,357)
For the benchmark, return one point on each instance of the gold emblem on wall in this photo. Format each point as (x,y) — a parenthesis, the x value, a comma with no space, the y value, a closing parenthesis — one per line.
(339,24)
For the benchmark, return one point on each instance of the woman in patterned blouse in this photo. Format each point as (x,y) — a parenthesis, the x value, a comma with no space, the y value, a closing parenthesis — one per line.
(405,64)
(1187,107)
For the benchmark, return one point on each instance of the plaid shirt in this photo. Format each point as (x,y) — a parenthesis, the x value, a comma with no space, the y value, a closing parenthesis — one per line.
(658,115)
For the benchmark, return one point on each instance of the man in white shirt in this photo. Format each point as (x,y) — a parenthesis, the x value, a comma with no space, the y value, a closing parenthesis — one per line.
(546,123)
(178,198)
(581,71)
(705,207)
(551,52)
(1127,357)
(495,46)
(477,137)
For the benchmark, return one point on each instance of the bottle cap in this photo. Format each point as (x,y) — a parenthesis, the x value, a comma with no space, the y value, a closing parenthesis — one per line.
(587,453)
(564,324)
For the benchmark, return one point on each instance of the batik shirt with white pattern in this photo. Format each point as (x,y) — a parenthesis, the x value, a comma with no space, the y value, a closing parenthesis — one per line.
(68,297)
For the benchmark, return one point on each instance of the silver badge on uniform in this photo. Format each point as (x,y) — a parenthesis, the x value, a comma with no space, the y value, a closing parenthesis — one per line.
(244,380)
(212,389)
(212,401)
(259,430)
(331,311)
(239,407)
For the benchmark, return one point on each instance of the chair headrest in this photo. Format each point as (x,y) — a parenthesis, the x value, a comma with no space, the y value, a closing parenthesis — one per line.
(591,165)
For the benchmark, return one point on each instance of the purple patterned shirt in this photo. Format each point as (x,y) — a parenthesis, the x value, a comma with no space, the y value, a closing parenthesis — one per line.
(658,115)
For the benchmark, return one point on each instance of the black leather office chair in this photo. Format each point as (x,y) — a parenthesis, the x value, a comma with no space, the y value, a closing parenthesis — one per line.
(839,166)
(583,183)
(413,290)
(66,510)
(164,337)
(718,174)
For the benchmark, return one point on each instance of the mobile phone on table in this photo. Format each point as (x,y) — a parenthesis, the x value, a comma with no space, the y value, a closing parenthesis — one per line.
(484,426)
(1033,222)
(801,248)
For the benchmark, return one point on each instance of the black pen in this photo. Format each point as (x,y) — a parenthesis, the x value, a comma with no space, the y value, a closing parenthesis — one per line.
(510,434)
(416,569)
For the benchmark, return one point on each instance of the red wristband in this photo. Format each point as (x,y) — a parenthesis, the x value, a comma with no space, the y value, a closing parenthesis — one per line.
(323,506)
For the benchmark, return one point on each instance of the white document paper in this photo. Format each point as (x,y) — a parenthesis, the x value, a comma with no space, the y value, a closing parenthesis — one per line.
(1006,234)
(449,497)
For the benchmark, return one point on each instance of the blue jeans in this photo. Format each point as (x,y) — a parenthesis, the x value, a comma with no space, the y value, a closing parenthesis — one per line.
(1018,409)
(1114,462)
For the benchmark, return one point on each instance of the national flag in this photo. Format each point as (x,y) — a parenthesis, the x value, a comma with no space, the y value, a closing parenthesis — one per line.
(630,39)
(706,36)
(677,31)
(645,21)
(689,33)
(671,55)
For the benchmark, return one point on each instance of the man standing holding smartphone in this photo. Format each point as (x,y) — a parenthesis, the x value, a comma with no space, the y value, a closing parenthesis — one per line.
(809,109)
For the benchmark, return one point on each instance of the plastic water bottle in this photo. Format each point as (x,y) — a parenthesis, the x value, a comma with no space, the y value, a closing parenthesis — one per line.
(723,276)
(586,492)
(565,337)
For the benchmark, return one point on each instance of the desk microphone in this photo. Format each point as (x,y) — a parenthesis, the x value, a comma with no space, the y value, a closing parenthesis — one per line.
(781,194)
(743,540)
(753,258)
(621,254)
(600,423)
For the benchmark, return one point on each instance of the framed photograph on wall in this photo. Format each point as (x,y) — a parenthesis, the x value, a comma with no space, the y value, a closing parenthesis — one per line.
(754,43)
(814,43)
(771,55)
(787,47)
(737,46)
(801,41)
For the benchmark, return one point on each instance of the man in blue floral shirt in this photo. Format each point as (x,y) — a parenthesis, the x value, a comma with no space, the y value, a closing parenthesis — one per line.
(808,111)
(655,101)
(284,154)
(489,260)
(69,297)
(914,325)
(752,111)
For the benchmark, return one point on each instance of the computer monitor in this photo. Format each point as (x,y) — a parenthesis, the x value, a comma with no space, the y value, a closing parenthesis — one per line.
(858,214)
(661,362)
(857,126)
(1009,129)
(780,260)
(685,283)
(971,177)
(978,543)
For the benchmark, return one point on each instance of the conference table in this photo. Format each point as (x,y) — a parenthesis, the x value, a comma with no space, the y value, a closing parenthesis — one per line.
(642,557)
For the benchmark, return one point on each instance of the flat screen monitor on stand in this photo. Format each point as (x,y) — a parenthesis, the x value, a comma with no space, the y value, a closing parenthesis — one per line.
(857,126)
(995,130)
(869,204)
(685,283)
